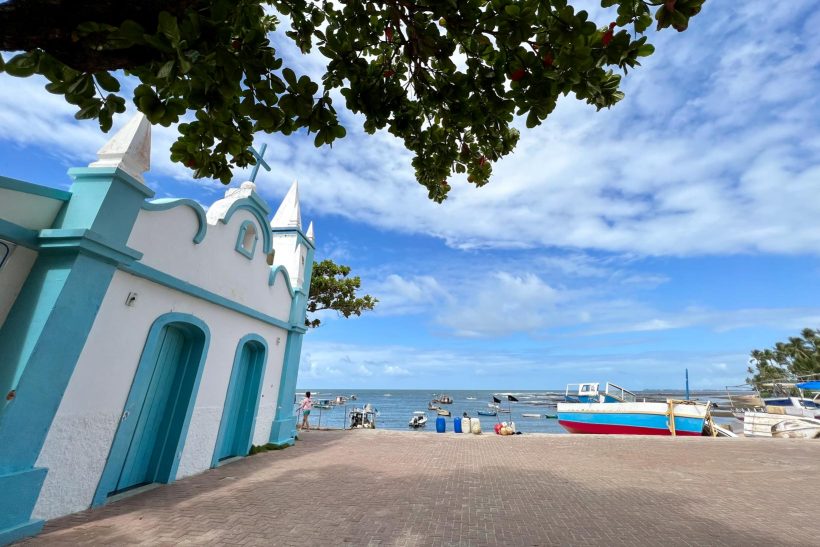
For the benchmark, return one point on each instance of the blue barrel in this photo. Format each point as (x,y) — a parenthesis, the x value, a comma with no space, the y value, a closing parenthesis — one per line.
(457,424)
(441,425)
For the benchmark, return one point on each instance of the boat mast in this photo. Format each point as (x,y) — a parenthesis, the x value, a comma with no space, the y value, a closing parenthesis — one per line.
(687,384)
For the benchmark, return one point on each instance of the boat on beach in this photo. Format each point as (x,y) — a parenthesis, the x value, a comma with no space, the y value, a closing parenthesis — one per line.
(797,428)
(419,419)
(787,402)
(618,411)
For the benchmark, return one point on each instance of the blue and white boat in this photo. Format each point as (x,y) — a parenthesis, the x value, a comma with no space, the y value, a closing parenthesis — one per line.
(618,411)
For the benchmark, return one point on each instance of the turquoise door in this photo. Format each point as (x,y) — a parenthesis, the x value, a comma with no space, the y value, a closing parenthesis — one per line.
(159,421)
(241,402)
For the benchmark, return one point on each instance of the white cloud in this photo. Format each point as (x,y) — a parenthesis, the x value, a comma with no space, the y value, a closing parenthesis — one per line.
(539,368)
(713,151)
(406,295)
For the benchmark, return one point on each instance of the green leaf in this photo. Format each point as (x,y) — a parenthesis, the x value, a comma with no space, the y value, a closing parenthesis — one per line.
(167,25)
(90,111)
(646,50)
(22,65)
(290,77)
(165,70)
(107,81)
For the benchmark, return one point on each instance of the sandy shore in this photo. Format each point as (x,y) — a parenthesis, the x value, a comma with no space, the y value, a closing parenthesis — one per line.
(396,488)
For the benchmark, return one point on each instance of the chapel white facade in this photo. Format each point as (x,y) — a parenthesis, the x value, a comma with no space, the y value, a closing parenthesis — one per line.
(140,341)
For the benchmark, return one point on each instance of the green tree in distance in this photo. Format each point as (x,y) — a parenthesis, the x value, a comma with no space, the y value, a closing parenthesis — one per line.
(332,289)
(799,357)
(445,76)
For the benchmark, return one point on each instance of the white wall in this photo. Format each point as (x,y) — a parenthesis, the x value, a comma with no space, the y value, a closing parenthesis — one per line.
(12,276)
(77,444)
(165,238)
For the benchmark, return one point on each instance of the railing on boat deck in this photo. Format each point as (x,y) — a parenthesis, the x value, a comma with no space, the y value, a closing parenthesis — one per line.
(623,395)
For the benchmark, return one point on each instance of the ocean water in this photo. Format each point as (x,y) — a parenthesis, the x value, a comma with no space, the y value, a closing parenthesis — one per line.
(396,407)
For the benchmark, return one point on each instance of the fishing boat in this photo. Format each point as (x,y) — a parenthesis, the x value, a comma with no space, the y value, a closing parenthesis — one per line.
(363,418)
(444,412)
(432,406)
(340,400)
(419,419)
(324,404)
(487,413)
(797,428)
(445,400)
(617,410)
(787,400)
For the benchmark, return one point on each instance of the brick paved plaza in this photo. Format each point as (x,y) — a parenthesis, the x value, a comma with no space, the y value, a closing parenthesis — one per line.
(396,488)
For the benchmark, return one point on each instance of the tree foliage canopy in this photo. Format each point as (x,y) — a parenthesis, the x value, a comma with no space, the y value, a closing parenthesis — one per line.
(332,289)
(445,76)
(799,357)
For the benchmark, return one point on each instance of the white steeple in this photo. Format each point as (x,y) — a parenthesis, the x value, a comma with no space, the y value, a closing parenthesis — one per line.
(219,208)
(129,149)
(289,214)
(309,233)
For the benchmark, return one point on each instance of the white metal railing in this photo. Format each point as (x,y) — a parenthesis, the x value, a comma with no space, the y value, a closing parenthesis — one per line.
(620,393)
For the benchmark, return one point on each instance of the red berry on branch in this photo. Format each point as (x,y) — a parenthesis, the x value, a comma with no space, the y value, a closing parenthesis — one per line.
(481,161)
(548,59)
(236,44)
(389,72)
(612,25)
(388,33)
(518,74)
(606,38)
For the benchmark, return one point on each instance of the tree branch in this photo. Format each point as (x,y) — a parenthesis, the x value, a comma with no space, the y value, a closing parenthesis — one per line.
(49,25)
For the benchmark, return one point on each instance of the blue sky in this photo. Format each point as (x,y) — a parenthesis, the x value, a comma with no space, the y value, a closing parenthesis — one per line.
(677,230)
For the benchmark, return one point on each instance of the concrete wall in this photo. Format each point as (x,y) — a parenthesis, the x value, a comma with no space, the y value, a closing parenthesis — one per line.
(165,238)
(82,432)
(13,274)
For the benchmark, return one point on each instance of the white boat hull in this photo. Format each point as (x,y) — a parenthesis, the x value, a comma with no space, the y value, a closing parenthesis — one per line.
(797,428)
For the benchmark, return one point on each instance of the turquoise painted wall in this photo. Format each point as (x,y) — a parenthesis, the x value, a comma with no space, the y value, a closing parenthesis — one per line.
(47,326)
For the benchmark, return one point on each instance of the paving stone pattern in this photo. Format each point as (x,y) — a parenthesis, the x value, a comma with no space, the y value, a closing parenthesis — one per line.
(396,488)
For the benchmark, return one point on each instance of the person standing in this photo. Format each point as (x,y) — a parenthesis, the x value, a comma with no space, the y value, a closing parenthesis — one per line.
(306,406)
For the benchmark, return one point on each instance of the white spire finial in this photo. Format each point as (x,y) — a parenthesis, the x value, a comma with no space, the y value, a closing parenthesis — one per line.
(309,233)
(129,149)
(289,214)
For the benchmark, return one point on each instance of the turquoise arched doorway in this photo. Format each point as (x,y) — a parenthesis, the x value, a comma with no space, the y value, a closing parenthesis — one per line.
(149,440)
(242,399)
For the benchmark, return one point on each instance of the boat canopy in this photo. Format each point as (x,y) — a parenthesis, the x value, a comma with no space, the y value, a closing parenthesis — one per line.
(813,385)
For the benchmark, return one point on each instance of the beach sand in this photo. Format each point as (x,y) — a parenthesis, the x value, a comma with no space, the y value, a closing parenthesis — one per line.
(378,487)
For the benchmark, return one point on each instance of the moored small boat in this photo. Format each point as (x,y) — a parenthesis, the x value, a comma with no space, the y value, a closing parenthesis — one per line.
(432,406)
(419,419)
(445,400)
(530,415)
(487,413)
(444,412)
